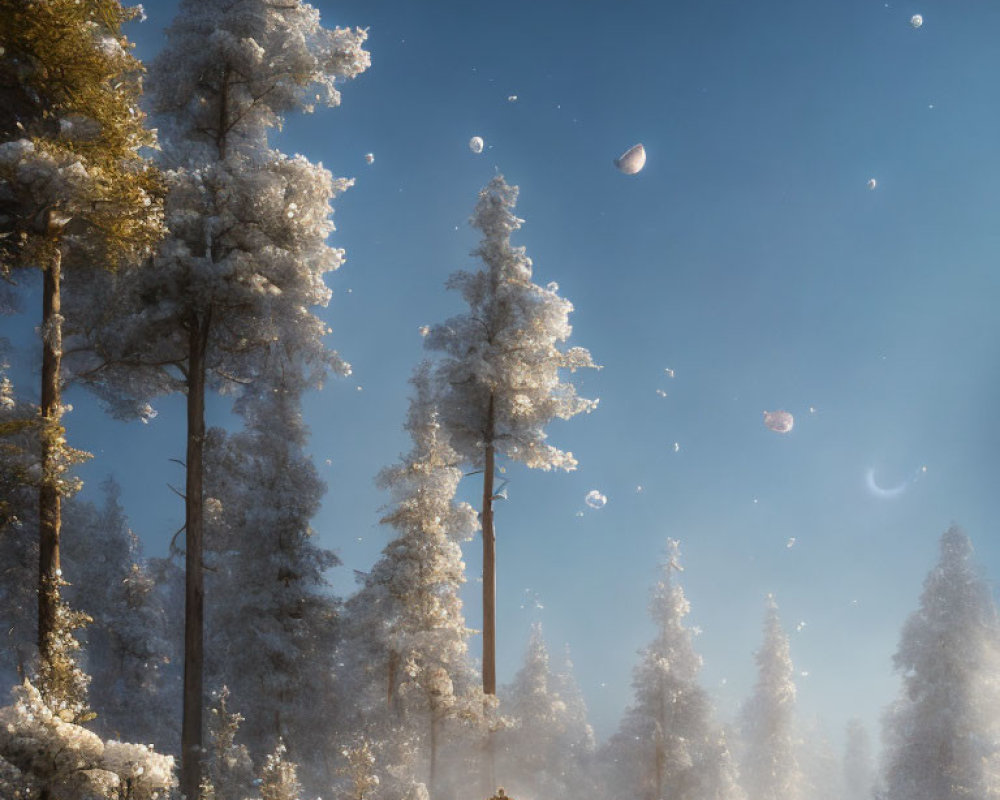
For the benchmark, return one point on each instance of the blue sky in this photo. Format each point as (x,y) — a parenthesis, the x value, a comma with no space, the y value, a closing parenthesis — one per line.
(749,256)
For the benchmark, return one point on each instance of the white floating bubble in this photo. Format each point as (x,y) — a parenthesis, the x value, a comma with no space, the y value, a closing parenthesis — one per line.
(670,372)
(677,447)
(632,160)
(595,499)
(790,543)
(512,98)
(917,20)
(369,158)
(661,393)
(799,628)
(424,330)
(779,421)
(872,184)
(476,144)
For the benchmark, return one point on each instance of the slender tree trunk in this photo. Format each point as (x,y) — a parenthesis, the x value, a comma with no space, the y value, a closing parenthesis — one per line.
(49,510)
(432,768)
(194,597)
(489,565)
(489,588)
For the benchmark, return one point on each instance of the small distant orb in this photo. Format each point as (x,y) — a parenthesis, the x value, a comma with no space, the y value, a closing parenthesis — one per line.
(872,184)
(512,98)
(779,421)
(369,158)
(595,499)
(632,160)
(476,144)
(917,20)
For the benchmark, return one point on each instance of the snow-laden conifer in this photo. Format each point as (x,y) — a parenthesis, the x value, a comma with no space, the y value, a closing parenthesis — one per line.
(407,639)
(544,753)
(245,262)
(667,744)
(271,635)
(126,647)
(769,768)
(942,736)
(229,773)
(18,530)
(500,379)
(73,189)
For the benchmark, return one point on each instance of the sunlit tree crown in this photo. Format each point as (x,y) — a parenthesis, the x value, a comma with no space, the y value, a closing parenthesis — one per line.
(506,348)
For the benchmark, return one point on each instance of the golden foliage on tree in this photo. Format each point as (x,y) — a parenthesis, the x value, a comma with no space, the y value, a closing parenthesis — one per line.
(70,87)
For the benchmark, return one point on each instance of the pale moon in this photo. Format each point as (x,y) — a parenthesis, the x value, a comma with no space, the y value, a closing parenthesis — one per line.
(878,491)
(632,160)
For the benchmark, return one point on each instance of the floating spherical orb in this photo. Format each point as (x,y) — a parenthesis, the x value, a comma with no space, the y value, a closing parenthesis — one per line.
(632,160)
(779,421)
(916,20)
(872,184)
(595,499)
(476,144)
(369,158)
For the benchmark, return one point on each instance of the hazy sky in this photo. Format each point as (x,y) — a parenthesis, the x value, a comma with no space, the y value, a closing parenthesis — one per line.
(749,256)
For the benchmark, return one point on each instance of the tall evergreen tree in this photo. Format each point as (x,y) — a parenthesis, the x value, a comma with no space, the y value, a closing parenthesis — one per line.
(769,768)
(578,742)
(407,634)
(666,745)
(246,258)
(271,634)
(18,530)
(942,736)
(500,377)
(73,188)
(126,647)
(544,752)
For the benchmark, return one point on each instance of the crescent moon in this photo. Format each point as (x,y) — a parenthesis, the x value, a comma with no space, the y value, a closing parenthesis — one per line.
(878,491)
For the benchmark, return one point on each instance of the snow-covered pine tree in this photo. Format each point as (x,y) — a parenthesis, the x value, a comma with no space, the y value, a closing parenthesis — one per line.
(229,772)
(279,776)
(859,764)
(942,736)
(73,189)
(126,646)
(407,638)
(271,635)
(18,532)
(578,742)
(543,753)
(246,258)
(666,744)
(769,769)
(499,379)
